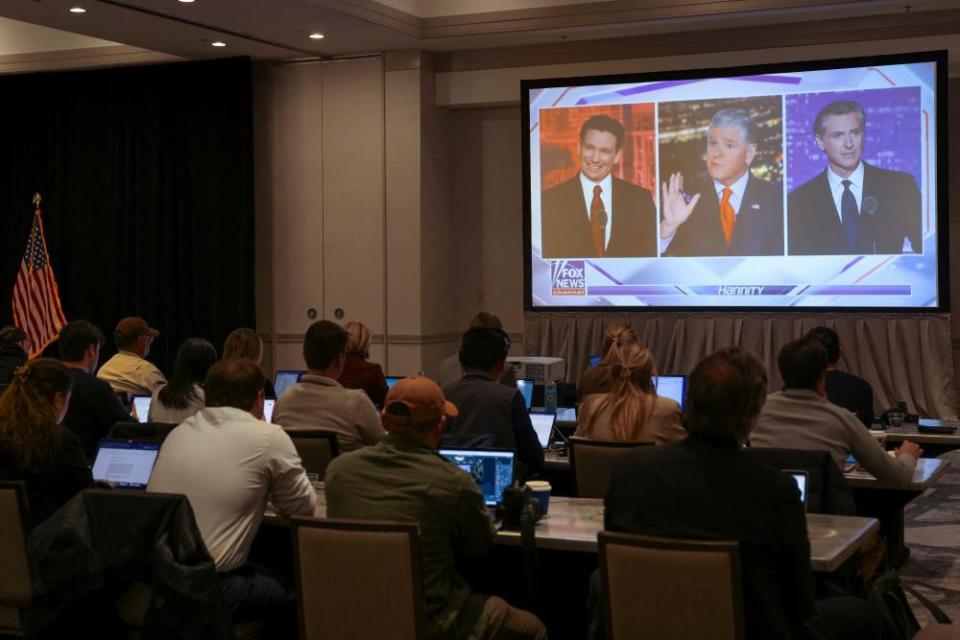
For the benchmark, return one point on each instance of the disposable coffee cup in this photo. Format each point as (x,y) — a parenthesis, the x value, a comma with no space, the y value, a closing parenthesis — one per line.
(541,491)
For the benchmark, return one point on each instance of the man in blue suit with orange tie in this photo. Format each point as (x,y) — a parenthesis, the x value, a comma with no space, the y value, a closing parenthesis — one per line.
(730,212)
(852,208)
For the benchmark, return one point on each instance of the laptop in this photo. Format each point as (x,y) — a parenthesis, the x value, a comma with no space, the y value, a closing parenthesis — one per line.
(935,425)
(491,469)
(595,360)
(566,415)
(525,386)
(268,408)
(543,426)
(285,380)
(392,380)
(141,405)
(125,463)
(672,387)
(800,477)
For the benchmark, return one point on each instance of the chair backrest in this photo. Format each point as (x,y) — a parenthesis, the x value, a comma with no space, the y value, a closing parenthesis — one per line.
(15,587)
(315,447)
(357,579)
(827,488)
(683,589)
(592,463)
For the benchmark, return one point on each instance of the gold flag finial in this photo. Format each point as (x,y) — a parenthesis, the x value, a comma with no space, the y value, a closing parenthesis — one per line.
(36,200)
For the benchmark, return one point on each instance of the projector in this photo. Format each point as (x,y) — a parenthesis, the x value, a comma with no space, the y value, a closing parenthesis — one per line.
(537,368)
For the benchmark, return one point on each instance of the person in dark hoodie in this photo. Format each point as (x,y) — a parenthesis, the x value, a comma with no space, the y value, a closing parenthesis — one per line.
(13,352)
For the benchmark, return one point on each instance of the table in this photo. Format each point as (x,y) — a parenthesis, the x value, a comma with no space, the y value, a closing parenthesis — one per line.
(927,471)
(573,523)
(945,441)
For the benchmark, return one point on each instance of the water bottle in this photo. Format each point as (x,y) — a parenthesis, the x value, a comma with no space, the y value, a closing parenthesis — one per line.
(550,397)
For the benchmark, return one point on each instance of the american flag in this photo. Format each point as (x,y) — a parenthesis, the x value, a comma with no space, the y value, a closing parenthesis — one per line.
(36,299)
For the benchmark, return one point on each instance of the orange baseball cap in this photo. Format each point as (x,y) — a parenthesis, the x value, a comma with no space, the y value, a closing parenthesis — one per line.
(416,400)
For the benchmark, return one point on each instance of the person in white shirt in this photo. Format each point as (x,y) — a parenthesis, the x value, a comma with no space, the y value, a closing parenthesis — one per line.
(183,395)
(318,401)
(128,372)
(229,463)
(801,417)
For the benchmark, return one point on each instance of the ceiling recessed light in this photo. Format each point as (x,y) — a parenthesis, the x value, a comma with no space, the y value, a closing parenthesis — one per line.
(218,44)
(77,10)
(316,36)
(186,0)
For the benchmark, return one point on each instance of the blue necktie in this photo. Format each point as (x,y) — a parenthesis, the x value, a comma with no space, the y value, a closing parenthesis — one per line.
(851,217)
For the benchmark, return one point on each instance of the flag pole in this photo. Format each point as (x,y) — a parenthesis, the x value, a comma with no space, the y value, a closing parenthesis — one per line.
(37,199)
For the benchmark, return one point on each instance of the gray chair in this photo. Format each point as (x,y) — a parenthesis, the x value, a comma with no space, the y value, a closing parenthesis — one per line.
(682,589)
(370,586)
(15,587)
(316,448)
(592,463)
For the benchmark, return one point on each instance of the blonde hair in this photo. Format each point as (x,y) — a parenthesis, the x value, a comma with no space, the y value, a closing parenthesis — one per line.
(29,432)
(630,403)
(358,339)
(617,338)
(243,344)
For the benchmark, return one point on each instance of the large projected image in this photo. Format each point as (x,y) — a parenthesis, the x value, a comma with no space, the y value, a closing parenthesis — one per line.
(771,188)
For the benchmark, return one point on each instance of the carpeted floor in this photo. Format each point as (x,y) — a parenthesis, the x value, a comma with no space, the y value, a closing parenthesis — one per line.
(933,534)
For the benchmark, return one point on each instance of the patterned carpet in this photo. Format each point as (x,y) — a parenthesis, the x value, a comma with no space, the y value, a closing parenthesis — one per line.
(933,534)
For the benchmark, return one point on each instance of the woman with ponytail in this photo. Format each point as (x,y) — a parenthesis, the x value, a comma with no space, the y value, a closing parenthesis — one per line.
(631,411)
(34,448)
(598,379)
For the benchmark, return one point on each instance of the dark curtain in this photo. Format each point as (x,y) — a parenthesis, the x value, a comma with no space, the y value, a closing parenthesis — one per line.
(146,175)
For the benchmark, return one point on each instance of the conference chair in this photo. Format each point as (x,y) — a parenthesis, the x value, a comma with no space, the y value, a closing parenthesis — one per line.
(370,581)
(827,488)
(15,587)
(592,463)
(316,448)
(683,589)
(934,631)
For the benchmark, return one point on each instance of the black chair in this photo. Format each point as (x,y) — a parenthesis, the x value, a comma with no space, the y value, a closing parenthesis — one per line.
(316,448)
(146,431)
(827,488)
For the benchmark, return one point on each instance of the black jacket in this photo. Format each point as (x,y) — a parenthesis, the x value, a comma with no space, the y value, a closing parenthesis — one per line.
(103,540)
(696,489)
(94,408)
(851,392)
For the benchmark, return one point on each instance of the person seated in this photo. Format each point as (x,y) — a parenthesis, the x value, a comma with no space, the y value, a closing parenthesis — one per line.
(94,406)
(358,373)
(403,479)
(34,449)
(229,463)
(488,408)
(128,371)
(800,417)
(632,411)
(244,344)
(449,370)
(705,487)
(183,395)
(318,401)
(598,379)
(13,352)
(844,389)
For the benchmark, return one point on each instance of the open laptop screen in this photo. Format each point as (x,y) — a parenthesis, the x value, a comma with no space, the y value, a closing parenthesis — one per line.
(268,409)
(671,387)
(525,387)
(800,477)
(125,463)
(543,425)
(286,379)
(141,405)
(491,469)
(595,360)
(392,380)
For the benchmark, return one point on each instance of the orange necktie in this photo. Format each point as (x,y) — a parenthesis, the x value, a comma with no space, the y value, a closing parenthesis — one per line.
(596,212)
(727,217)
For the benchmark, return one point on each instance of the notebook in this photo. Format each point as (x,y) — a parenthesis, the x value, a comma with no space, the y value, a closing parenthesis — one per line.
(525,386)
(800,477)
(286,379)
(125,463)
(141,405)
(491,469)
(268,408)
(672,387)
(543,425)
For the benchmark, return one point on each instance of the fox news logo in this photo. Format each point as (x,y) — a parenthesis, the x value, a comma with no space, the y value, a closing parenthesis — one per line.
(568,278)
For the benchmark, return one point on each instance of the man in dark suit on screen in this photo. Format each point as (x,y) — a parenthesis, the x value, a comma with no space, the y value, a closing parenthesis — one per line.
(595,215)
(731,212)
(852,208)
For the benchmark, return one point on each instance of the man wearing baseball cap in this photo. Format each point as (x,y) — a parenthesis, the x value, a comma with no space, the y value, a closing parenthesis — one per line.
(128,372)
(403,478)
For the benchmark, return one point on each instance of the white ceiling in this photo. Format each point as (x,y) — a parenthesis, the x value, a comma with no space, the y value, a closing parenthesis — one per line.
(44,34)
